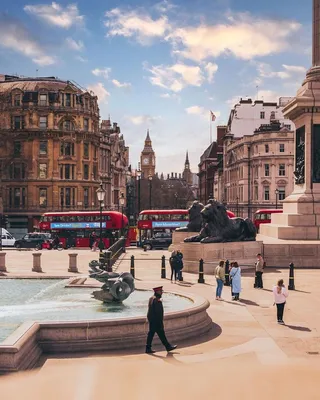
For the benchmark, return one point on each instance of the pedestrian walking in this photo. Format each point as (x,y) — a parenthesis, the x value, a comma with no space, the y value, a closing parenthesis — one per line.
(280,294)
(179,264)
(259,264)
(92,239)
(220,274)
(235,276)
(172,262)
(155,318)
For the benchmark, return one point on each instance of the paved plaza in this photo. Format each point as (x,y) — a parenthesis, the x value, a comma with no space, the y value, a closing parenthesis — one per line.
(246,354)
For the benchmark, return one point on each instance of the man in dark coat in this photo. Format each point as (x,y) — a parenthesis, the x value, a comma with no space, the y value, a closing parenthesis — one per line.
(155,318)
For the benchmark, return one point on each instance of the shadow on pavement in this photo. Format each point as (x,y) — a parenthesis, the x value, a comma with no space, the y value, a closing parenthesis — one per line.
(249,302)
(298,328)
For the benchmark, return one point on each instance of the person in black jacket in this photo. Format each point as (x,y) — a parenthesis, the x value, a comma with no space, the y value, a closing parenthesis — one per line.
(155,318)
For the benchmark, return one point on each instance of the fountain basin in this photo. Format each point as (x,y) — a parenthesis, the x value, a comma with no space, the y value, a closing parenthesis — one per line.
(23,348)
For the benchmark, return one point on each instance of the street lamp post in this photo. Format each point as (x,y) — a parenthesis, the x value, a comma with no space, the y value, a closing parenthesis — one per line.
(176,197)
(139,186)
(121,203)
(277,193)
(150,191)
(237,199)
(101,195)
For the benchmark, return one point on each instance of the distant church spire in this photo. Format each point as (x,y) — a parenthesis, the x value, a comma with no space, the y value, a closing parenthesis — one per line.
(148,136)
(187,159)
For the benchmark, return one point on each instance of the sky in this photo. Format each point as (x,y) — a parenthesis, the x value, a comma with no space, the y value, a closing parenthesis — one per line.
(165,65)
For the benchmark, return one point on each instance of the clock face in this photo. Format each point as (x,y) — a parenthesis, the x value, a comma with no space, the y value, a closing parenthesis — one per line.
(146,161)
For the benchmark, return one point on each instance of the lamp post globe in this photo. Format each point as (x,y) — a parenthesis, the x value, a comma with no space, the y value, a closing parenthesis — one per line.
(101,193)
(150,190)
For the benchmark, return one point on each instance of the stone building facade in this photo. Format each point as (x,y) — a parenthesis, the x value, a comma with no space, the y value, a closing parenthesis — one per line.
(114,163)
(254,167)
(49,149)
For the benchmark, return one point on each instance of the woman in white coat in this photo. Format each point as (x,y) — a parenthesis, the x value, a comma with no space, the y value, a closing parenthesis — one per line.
(280,297)
(235,275)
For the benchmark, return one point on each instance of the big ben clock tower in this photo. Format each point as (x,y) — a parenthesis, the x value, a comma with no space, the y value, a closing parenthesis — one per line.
(148,159)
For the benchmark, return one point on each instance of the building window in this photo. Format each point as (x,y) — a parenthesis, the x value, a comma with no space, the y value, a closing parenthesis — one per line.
(282,170)
(86,171)
(68,100)
(68,125)
(43,148)
(95,152)
(17,100)
(43,99)
(43,122)
(43,171)
(17,197)
(67,197)
(262,115)
(17,149)
(266,148)
(281,147)
(86,150)
(256,193)
(266,193)
(95,172)
(18,122)
(282,193)
(86,197)
(288,126)
(272,115)
(17,171)
(266,170)
(67,171)
(43,197)
(86,124)
(67,149)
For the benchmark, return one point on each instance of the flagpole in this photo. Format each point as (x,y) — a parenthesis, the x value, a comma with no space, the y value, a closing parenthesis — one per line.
(210,122)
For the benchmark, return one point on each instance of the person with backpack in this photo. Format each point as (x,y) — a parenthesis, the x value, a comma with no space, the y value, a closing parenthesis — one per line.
(280,294)
(235,276)
(220,278)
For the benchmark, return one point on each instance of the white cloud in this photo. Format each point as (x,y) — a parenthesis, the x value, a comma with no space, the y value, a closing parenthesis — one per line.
(289,71)
(233,101)
(81,59)
(16,38)
(175,77)
(164,6)
(57,15)
(99,90)
(125,85)
(202,112)
(74,45)
(104,72)
(211,69)
(165,95)
(143,119)
(134,24)
(244,36)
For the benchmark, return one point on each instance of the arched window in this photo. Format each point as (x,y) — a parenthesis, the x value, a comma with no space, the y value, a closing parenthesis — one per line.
(67,125)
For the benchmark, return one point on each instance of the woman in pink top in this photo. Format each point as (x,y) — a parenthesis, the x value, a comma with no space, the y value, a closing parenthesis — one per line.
(280,296)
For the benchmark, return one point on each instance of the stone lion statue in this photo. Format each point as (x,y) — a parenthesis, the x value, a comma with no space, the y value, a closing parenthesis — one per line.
(218,227)
(195,218)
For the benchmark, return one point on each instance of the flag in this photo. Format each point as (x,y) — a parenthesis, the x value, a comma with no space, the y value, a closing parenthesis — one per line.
(213,117)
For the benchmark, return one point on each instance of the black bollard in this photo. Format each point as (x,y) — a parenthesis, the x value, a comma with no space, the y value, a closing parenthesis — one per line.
(163,267)
(291,277)
(201,277)
(144,248)
(227,282)
(132,266)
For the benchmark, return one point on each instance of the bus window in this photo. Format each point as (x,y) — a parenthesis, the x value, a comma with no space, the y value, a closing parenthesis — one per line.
(268,216)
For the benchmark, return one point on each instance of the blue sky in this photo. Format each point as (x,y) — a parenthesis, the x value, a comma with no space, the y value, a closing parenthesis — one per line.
(163,65)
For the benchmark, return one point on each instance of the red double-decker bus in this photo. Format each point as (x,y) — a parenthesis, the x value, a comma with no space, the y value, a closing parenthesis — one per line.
(264,216)
(74,228)
(153,221)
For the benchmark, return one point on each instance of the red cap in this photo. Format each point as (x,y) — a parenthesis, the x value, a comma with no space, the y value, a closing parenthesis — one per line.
(158,289)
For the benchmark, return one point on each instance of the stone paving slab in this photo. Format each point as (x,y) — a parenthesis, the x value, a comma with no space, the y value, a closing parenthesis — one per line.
(246,339)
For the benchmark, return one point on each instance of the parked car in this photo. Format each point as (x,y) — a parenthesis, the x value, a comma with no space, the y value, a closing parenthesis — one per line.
(6,238)
(159,241)
(32,240)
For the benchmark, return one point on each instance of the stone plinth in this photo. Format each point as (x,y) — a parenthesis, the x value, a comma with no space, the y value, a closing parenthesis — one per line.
(243,252)
(73,263)
(3,267)
(36,262)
